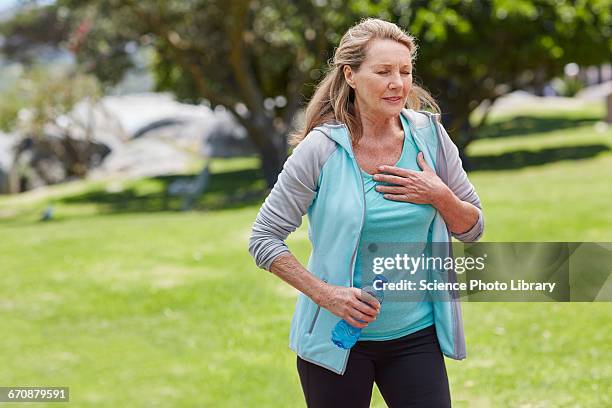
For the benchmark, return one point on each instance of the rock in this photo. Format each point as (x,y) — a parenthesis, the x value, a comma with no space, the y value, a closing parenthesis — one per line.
(140,135)
(54,159)
(136,112)
(597,92)
(145,157)
(193,127)
(8,182)
(225,138)
(105,126)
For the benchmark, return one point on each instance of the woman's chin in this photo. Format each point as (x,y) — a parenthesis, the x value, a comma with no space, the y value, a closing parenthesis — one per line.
(392,112)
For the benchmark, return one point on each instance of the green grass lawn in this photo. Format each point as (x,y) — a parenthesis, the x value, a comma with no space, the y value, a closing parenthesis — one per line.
(130,302)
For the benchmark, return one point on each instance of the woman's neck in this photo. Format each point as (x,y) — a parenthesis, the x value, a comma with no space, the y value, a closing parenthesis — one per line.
(379,128)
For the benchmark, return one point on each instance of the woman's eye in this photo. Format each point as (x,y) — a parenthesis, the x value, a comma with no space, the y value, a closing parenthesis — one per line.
(386,72)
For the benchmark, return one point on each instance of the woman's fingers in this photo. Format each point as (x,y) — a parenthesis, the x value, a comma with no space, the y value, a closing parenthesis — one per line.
(365,312)
(390,189)
(365,305)
(360,308)
(404,193)
(386,178)
(403,198)
(398,171)
(355,323)
(366,300)
(357,315)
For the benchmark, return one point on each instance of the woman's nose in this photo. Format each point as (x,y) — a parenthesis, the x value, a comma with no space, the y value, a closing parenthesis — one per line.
(395,85)
(396,81)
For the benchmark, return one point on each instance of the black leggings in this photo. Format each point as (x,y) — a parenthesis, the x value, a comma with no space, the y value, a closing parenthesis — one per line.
(409,372)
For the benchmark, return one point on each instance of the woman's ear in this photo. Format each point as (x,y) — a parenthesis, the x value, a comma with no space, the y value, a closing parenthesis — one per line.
(348,76)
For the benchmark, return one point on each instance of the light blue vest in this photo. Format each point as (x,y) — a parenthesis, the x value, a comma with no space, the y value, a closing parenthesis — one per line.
(336,219)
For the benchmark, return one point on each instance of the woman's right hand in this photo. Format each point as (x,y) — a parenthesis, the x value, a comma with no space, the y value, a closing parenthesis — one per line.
(351,304)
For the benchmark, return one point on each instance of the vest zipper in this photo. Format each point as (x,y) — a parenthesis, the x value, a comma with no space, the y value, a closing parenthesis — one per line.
(316,315)
(353,258)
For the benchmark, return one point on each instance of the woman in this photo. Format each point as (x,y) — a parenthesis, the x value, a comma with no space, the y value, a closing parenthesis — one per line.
(368,168)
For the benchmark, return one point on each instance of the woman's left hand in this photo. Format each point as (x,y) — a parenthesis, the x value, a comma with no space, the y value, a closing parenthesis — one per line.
(419,187)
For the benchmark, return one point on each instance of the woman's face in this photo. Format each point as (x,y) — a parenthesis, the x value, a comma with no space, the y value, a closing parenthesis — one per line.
(384,79)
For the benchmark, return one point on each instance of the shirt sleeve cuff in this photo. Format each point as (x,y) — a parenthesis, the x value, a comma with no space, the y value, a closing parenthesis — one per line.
(474,233)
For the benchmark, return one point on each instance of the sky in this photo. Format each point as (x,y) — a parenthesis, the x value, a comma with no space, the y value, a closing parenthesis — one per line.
(7,4)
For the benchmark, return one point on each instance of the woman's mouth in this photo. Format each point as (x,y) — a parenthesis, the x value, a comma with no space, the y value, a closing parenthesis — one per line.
(393,99)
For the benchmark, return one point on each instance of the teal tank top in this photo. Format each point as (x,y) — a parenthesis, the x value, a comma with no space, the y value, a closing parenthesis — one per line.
(395,222)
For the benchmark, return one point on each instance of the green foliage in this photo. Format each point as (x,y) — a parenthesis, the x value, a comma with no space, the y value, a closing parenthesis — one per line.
(568,86)
(10,105)
(472,51)
(40,97)
(249,53)
(31,30)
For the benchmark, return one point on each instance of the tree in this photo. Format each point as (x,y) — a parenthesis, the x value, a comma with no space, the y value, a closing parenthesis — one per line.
(261,59)
(474,51)
(258,59)
(43,106)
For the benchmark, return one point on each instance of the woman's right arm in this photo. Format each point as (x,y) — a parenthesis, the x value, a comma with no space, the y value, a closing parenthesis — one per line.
(281,214)
(347,303)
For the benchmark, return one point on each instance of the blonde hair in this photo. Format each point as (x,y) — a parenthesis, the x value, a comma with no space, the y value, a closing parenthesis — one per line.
(333,99)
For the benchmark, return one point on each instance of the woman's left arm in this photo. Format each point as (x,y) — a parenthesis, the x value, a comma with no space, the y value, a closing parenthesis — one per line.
(460,207)
(457,202)
(461,217)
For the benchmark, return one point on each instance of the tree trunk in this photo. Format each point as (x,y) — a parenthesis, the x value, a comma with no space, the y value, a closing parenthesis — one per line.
(269,142)
(273,153)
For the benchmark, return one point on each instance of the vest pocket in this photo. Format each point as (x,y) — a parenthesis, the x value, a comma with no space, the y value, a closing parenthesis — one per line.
(315,317)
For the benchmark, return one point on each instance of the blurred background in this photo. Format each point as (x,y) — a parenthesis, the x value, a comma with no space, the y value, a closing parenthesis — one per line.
(139,138)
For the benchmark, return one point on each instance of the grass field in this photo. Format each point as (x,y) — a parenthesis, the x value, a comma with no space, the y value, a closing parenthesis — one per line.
(130,302)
